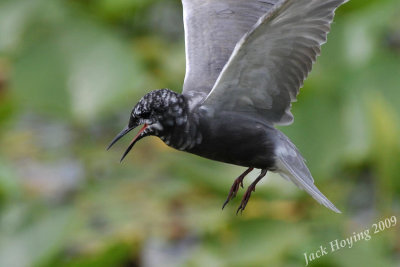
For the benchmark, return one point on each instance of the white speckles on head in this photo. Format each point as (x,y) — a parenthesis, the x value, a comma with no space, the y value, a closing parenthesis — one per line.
(173,99)
(166,113)
(160,105)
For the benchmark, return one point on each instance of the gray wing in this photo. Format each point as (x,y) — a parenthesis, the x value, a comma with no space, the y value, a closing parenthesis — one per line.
(269,64)
(212,29)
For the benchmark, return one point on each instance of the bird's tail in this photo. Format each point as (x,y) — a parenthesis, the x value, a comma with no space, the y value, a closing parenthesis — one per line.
(291,166)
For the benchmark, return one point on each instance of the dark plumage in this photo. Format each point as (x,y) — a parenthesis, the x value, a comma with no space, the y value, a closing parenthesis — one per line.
(233,96)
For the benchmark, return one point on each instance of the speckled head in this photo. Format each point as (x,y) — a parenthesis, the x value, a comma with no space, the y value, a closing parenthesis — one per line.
(159,112)
(159,108)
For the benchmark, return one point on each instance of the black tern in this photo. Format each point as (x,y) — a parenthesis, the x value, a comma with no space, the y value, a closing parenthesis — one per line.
(245,64)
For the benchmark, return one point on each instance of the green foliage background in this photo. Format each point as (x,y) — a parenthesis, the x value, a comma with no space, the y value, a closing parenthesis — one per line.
(71,70)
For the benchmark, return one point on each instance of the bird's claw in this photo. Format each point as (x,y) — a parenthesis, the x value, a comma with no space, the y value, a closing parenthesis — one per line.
(251,188)
(235,187)
(246,199)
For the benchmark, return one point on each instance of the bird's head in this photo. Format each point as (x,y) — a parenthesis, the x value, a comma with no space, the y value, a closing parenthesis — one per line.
(158,111)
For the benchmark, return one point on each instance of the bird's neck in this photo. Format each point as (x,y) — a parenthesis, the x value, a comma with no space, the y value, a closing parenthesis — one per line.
(181,127)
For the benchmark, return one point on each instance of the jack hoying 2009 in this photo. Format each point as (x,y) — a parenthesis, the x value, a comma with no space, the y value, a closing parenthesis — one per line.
(350,241)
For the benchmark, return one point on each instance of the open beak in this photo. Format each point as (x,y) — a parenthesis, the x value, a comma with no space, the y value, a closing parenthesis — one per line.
(138,136)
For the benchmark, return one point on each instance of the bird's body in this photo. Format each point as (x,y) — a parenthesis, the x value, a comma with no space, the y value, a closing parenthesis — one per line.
(250,142)
(246,61)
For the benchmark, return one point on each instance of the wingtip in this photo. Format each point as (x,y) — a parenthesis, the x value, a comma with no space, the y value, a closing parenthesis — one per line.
(336,210)
(330,206)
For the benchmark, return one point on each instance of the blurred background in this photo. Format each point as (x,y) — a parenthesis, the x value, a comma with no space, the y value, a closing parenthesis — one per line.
(70,72)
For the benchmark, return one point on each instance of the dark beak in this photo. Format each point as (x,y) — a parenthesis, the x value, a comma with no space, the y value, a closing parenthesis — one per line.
(120,135)
(139,136)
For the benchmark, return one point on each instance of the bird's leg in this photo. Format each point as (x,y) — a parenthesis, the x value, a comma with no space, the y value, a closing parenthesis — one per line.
(235,187)
(251,188)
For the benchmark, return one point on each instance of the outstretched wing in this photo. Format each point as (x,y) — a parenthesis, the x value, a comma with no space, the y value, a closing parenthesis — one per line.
(212,29)
(269,64)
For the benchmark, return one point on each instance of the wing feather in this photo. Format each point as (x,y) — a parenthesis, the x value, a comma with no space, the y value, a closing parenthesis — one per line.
(212,29)
(270,63)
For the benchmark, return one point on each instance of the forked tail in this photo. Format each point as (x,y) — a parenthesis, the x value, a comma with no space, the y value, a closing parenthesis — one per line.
(291,166)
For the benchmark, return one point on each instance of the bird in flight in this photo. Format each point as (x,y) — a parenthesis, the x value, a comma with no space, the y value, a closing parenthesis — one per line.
(245,63)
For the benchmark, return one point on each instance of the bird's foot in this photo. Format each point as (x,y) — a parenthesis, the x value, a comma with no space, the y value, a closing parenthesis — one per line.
(251,188)
(235,187)
(246,198)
